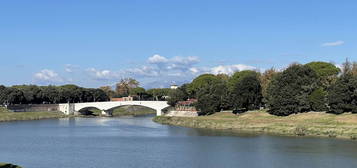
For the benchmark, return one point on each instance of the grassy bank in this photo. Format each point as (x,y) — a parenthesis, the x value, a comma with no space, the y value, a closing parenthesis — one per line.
(132,111)
(6,115)
(303,124)
(7,165)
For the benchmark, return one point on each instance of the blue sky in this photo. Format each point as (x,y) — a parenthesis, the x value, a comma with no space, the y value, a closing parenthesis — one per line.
(95,43)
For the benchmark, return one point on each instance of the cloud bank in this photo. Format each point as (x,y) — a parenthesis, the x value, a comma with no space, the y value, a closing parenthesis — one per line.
(158,71)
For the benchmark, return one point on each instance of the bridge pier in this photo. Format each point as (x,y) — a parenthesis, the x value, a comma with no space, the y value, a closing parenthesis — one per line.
(158,112)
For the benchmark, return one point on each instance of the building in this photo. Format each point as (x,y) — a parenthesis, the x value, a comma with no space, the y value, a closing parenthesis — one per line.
(129,98)
(173,86)
(188,105)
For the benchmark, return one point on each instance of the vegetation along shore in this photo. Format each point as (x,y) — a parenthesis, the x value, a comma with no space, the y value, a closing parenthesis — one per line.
(302,124)
(6,115)
(313,99)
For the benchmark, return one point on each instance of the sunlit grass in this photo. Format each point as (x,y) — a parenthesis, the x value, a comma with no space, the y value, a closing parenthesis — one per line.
(303,124)
(6,115)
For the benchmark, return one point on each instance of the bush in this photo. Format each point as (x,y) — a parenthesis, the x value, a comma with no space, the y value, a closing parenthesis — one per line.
(289,91)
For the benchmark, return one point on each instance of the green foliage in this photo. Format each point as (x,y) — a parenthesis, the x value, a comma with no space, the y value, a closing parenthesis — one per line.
(211,97)
(265,80)
(158,93)
(137,92)
(289,91)
(237,76)
(247,93)
(32,94)
(11,95)
(342,96)
(324,69)
(176,95)
(318,100)
(327,72)
(200,82)
(123,87)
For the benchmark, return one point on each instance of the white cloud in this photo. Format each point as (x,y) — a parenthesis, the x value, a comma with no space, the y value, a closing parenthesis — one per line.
(157,59)
(332,44)
(70,68)
(47,75)
(144,71)
(158,70)
(194,70)
(182,64)
(230,69)
(185,60)
(103,74)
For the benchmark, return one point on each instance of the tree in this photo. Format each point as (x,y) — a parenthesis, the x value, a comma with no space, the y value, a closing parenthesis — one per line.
(327,72)
(176,95)
(31,93)
(265,80)
(342,96)
(70,93)
(50,94)
(210,97)
(108,90)
(318,100)
(289,91)
(12,95)
(125,85)
(200,82)
(247,93)
(158,93)
(99,95)
(237,76)
(138,91)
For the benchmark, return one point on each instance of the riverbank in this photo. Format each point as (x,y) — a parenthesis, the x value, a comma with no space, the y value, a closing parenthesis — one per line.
(303,124)
(7,165)
(6,115)
(132,111)
(125,111)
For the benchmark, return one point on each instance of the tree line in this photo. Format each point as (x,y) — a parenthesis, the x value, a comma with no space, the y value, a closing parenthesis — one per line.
(32,94)
(316,86)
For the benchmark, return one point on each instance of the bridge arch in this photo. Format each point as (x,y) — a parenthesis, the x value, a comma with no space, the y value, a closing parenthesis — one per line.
(86,110)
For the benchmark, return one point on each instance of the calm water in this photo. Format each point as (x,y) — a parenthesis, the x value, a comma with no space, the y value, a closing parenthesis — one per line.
(138,142)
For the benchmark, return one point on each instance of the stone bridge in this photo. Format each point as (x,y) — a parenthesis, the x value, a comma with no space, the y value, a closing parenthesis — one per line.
(107,107)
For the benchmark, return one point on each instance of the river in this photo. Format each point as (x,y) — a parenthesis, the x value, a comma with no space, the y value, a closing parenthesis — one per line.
(138,142)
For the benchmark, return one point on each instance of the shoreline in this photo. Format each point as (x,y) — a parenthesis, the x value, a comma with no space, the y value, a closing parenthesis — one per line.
(7,116)
(312,124)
